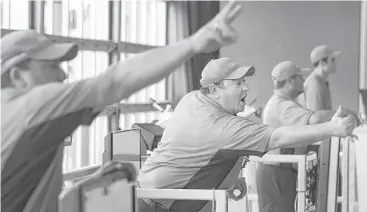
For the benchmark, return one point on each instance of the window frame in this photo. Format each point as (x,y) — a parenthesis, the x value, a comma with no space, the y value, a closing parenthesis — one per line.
(114,46)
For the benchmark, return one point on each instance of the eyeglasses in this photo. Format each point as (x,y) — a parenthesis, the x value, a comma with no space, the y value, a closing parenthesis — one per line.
(237,83)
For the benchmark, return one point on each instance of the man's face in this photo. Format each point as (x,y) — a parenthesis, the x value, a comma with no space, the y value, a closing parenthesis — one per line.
(41,72)
(330,66)
(297,84)
(232,96)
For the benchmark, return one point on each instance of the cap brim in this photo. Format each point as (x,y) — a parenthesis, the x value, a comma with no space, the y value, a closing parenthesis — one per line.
(336,54)
(241,72)
(57,51)
(305,71)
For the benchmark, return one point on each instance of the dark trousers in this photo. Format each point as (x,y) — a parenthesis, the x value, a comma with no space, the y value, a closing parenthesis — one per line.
(276,188)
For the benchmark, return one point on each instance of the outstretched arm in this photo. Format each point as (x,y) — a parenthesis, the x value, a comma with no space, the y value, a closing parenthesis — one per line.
(307,134)
(127,77)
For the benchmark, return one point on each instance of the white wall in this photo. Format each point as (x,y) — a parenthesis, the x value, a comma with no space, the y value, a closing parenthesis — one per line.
(271,32)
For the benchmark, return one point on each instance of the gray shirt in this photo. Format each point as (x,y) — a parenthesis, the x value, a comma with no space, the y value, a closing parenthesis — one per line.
(282,111)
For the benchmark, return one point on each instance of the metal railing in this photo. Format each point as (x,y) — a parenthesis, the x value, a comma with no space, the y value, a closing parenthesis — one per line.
(220,196)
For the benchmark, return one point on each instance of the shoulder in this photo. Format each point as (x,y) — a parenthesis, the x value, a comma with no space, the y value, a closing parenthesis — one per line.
(277,103)
(57,100)
(312,82)
(191,96)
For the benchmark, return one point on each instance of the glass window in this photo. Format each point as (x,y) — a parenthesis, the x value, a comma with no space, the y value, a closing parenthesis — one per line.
(81,19)
(14,14)
(142,22)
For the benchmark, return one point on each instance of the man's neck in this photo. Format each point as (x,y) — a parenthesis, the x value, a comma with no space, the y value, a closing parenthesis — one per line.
(321,74)
(286,94)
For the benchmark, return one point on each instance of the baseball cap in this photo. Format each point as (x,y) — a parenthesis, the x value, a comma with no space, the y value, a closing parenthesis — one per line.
(21,45)
(224,68)
(321,52)
(287,69)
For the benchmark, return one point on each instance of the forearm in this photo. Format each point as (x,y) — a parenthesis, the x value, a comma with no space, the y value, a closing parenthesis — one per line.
(129,76)
(150,67)
(321,116)
(299,135)
(124,78)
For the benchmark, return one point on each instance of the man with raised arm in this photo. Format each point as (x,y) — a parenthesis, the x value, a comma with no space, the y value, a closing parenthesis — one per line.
(39,111)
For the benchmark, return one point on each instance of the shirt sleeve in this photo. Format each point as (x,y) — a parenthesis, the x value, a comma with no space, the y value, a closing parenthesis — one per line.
(243,134)
(313,96)
(93,95)
(292,113)
(55,100)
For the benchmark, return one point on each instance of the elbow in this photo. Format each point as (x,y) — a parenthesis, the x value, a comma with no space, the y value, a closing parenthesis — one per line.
(275,141)
(282,137)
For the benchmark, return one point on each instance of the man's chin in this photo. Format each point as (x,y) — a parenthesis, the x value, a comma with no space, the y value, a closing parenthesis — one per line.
(241,108)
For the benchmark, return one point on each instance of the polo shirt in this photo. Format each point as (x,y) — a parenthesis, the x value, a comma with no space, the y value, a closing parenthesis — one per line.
(34,124)
(199,147)
(283,111)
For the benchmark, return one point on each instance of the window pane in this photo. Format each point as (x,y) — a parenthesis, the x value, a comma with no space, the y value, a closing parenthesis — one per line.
(143,22)
(5,14)
(14,14)
(82,19)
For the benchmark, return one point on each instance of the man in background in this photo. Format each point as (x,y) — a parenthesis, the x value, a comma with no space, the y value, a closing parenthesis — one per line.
(276,182)
(317,90)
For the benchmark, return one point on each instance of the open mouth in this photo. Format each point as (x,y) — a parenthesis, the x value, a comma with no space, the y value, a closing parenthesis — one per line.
(243,99)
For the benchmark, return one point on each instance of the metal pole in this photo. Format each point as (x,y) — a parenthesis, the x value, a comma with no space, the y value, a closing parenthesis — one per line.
(37,15)
(345,176)
(301,185)
(332,182)
(221,201)
(363,52)
(114,56)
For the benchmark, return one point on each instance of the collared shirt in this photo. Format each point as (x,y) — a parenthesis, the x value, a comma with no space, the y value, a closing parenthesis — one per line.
(317,93)
(283,111)
(199,148)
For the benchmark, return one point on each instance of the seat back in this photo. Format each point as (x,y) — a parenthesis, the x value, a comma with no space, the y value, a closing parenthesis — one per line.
(111,188)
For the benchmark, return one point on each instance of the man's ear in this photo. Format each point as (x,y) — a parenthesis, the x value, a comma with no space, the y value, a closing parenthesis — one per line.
(289,80)
(16,78)
(214,90)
